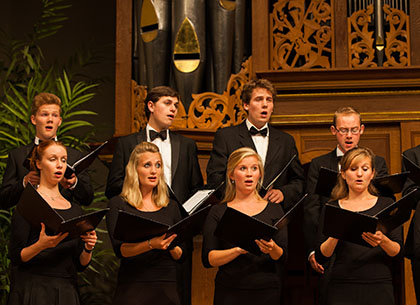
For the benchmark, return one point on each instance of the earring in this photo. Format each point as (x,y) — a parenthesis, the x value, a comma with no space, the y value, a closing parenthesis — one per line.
(232,181)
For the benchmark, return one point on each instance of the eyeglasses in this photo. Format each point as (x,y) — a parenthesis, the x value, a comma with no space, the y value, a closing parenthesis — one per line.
(345,131)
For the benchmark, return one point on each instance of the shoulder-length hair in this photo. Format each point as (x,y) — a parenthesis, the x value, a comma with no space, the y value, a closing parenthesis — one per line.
(341,189)
(234,159)
(131,186)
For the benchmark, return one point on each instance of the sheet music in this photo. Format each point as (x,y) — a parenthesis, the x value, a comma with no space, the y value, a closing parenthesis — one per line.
(196,199)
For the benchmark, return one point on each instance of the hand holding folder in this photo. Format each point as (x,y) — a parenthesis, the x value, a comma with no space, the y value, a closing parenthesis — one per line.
(349,226)
(35,210)
(132,228)
(242,230)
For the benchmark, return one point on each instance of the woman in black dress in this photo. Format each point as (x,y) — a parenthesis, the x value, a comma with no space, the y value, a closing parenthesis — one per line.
(147,273)
(245,278)
(45,267)
(360,274)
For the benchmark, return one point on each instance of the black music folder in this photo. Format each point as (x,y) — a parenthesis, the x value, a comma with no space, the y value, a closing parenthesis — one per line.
(327,179)
(413,168)
(397,213)
(390,184)
(84,162)
(242,230)
(348,225)
(35,210)
(132,228)
(264,189)
(285,220)
(385,184)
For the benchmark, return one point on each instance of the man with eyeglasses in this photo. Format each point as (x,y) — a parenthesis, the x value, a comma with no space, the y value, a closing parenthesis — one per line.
(347,128)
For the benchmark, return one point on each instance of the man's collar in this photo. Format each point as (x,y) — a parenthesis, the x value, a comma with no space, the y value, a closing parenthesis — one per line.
(338,152)
(249,125)
(38,140)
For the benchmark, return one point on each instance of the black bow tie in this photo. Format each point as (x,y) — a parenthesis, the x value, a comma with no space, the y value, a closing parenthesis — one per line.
(254,131)
(153,135)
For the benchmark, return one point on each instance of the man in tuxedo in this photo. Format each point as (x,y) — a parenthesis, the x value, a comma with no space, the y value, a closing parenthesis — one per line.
(46,116)
(179,154)
(347,128)
(412,245)
(275,147)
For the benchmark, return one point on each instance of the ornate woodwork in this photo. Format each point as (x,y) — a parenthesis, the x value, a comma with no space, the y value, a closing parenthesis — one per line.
(361,42)
(362,50)
(301,37)
(208,110)
(397,49)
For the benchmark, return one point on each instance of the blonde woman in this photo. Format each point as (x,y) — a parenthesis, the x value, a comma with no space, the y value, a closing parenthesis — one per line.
(45,265)
(360,274)
(147,273)
(245,278)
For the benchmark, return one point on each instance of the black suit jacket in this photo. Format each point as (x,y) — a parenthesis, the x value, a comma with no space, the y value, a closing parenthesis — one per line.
(281,148)
(185,169)
(314,202)
(12,186)
(412,246)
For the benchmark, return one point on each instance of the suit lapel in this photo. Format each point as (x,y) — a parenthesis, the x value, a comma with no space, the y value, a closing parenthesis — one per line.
(273,147)
(141,136)
(333,162)
(244,137)
(175,148)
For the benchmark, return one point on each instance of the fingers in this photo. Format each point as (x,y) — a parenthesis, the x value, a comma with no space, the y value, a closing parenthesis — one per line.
(264,246)
(274,195)
(42,228)
(90,239)
(162,242)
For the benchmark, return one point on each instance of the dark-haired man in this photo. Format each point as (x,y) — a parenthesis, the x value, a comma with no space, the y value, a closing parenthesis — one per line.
(275,147)
(179,154)
(46,117)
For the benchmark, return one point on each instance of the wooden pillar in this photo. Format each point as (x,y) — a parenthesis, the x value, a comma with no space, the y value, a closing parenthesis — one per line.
(414,30)
(339,24)
(123,110)
(260,36)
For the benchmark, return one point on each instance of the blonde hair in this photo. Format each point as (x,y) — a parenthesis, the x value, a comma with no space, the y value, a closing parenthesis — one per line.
(234,159)
(341,189)
(346,110)
(131,186)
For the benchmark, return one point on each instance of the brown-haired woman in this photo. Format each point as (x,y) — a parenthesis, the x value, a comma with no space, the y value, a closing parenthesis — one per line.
(45,266)
(147,273)
(245,278)
(360,274)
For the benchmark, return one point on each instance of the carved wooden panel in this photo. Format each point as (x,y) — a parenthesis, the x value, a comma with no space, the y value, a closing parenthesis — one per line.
(301,35)
(397,47)
(362,48)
